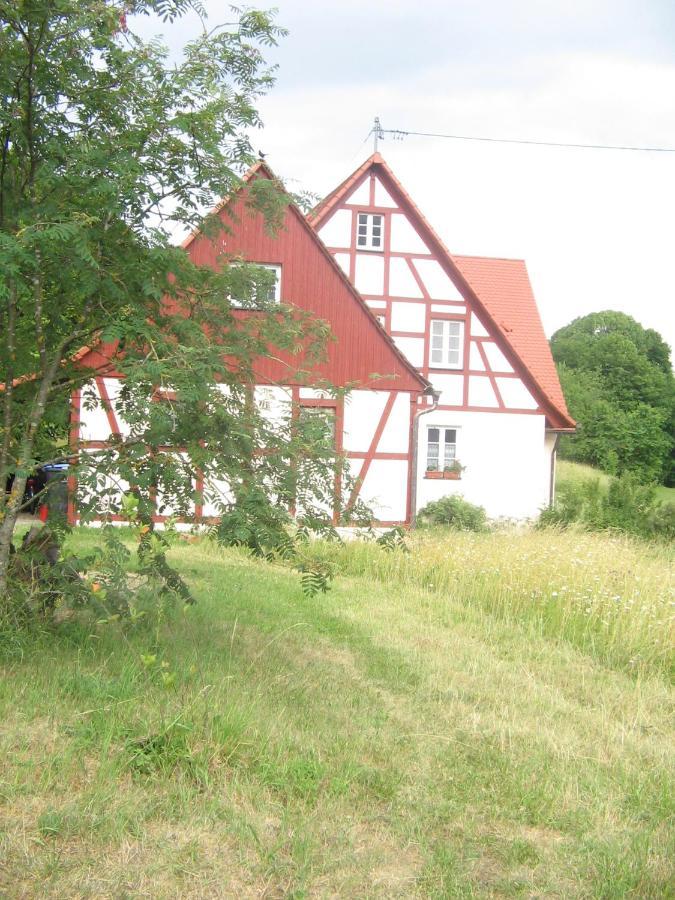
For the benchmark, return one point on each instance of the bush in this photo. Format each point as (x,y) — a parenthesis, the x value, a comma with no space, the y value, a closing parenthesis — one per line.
(454,511)
(626,505)
(660,521)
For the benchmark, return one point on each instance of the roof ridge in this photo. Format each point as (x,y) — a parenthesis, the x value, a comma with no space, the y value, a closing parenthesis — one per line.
(496,258)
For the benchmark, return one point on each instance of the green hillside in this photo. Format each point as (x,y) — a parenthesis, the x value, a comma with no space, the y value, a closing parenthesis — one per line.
(571,471)
(486,716)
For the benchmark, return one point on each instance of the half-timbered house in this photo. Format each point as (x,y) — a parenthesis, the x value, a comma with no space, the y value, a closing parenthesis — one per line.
(470,326)
(401,306)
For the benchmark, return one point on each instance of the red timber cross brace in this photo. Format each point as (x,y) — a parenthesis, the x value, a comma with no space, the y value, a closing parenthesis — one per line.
(372,453)
(490,374)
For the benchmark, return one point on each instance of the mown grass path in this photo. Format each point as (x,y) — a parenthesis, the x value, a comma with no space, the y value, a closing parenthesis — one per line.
(386,739)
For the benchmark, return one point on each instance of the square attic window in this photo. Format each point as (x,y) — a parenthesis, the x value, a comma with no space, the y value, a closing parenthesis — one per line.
(370,231)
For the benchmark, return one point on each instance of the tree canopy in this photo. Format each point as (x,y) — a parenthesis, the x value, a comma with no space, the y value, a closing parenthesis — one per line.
(107,144)
(618,381)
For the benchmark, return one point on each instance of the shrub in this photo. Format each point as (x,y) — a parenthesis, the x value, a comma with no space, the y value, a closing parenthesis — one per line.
(660,521)
(576,501)
(626,505)
(454,511)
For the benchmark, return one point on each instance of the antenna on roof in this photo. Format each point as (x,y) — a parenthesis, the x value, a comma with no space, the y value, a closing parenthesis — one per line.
(377,132)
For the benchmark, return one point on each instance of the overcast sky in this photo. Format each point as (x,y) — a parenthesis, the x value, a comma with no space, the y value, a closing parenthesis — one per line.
(596,227)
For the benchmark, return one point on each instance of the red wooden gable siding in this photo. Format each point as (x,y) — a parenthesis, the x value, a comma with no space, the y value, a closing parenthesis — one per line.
(311,280)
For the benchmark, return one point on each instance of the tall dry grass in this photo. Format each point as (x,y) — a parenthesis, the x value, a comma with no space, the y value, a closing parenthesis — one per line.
(609,595)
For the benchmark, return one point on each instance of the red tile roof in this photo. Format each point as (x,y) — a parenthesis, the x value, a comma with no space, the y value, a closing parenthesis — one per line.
(504,287)
(509,307)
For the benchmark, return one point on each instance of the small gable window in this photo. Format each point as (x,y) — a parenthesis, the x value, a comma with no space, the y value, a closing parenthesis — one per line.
(447,344)
(441,449)
(370,231)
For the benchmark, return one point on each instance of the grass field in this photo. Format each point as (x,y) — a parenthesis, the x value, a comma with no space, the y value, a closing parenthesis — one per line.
(569,471)
(487,716)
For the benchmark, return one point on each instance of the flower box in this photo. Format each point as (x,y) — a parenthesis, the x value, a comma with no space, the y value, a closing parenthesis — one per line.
(445,476)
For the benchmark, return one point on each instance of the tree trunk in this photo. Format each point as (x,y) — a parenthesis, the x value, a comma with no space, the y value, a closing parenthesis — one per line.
(13,506)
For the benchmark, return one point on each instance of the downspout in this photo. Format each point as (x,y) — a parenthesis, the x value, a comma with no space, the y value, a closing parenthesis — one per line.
(554,456)
(436,395)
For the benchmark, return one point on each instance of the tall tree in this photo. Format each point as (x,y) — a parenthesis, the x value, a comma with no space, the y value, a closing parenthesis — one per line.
(619,385)
(106,145)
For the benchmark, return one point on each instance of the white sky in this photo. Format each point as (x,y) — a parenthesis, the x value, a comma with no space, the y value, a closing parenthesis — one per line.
(596,228)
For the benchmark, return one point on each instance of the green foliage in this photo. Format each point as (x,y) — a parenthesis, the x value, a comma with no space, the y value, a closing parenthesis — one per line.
(315,576)
(96,588)
(619,386)
(393,539)
(624,505)
(454,511)
(107,146)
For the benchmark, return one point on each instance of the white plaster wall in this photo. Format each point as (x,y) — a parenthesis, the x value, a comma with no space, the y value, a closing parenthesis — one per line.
(342,259)
(396,435)
(404,238)
(337,232)
(436,281)
(94,425)
(451,387)
(477,327)
(408,316)
(481,392)
(475,359)
(361,196)
(369,273)
(363,411)
(385,489)
(401,280)
(448,307)
(496,359)
(382,195)
(93,420)
(514,394)
(412,348)
(506,457)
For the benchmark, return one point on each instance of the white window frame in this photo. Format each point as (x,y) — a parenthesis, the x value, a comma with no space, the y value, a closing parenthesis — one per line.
(370,228)
(452,344)
(273,267)
(447,449)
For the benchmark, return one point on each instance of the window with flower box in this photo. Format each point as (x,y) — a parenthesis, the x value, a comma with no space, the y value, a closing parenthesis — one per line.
(441,448)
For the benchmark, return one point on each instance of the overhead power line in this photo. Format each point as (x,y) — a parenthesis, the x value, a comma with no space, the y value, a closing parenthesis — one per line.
(398,134)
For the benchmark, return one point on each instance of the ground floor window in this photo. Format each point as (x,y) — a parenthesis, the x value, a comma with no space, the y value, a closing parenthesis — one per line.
(441,448)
